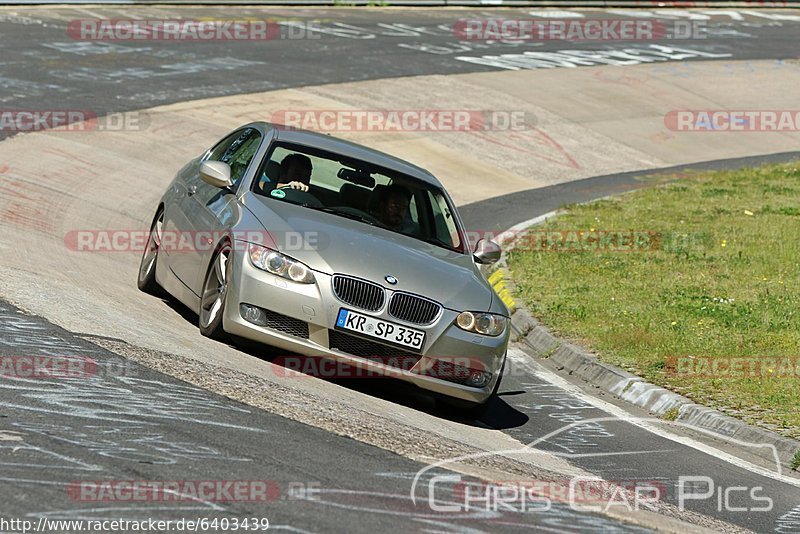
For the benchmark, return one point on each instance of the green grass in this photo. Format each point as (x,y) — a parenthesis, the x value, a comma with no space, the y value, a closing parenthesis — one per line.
(796,461)
(671,414)
(720,277)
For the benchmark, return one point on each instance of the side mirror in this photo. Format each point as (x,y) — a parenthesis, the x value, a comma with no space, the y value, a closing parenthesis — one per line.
(487,251)
(216,173)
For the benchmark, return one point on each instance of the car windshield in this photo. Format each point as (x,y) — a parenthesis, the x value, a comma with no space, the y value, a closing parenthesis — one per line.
(359,191)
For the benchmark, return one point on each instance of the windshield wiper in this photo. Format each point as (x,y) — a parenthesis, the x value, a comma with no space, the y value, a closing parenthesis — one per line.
(356,217)
(436,241)
(353,216)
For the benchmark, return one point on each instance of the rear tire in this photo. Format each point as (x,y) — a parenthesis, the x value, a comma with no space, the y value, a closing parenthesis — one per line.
(147,268)
(214,294)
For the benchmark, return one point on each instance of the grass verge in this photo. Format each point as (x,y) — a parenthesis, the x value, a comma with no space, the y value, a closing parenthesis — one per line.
(694,285)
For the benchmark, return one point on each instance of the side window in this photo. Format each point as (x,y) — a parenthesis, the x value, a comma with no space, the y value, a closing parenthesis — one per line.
(444,223)
(237,150)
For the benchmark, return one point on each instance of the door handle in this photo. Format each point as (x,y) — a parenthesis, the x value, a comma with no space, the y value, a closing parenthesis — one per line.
(192,190)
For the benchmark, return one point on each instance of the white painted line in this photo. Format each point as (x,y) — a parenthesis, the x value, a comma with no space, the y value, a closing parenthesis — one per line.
(93,14)
(555,14)
(621,414)
(512,233)
(772,16)
(616,411)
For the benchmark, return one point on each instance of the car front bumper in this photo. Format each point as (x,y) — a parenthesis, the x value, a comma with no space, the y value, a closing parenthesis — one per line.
(302,320)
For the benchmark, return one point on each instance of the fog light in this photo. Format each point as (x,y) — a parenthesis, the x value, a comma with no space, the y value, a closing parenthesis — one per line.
(253,314)
(478,379)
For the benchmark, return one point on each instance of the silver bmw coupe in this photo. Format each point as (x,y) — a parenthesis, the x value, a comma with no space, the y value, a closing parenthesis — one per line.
(328,249)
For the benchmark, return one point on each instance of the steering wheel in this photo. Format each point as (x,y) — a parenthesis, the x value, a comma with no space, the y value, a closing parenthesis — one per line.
(360,213)
(295,196)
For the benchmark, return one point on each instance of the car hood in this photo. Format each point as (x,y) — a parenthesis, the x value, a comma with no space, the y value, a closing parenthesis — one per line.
(335,244)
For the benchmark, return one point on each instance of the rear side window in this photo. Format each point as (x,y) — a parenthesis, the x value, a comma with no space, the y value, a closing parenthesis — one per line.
(237,150)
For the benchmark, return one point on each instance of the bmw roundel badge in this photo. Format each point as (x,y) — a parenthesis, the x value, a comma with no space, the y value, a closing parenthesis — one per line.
(391,279)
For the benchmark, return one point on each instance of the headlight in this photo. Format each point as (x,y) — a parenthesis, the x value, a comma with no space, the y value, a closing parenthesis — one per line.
(278,264)
(487,324)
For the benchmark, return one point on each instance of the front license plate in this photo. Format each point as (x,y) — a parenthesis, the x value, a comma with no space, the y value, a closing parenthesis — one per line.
(377,328)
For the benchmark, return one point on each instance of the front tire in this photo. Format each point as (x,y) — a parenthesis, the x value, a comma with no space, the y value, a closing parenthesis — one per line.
(213,296)
(147,268)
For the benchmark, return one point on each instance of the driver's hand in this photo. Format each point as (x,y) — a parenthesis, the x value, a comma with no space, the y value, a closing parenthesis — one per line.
(297,185)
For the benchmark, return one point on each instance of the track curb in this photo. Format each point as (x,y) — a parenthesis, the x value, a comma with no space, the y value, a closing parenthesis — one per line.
(538,342)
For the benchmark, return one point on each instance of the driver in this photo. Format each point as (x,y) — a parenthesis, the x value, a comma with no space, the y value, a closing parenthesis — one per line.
(393,209)
(295,172)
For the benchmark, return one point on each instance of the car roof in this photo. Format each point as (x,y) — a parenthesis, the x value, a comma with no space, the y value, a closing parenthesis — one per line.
(349,149)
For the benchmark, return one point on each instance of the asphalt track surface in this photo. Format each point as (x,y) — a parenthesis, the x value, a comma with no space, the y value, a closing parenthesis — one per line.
(120,422)
(40,61)
(141,425)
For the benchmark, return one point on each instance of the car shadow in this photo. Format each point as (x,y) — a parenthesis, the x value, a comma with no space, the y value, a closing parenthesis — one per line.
(181,309)
(500,415)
